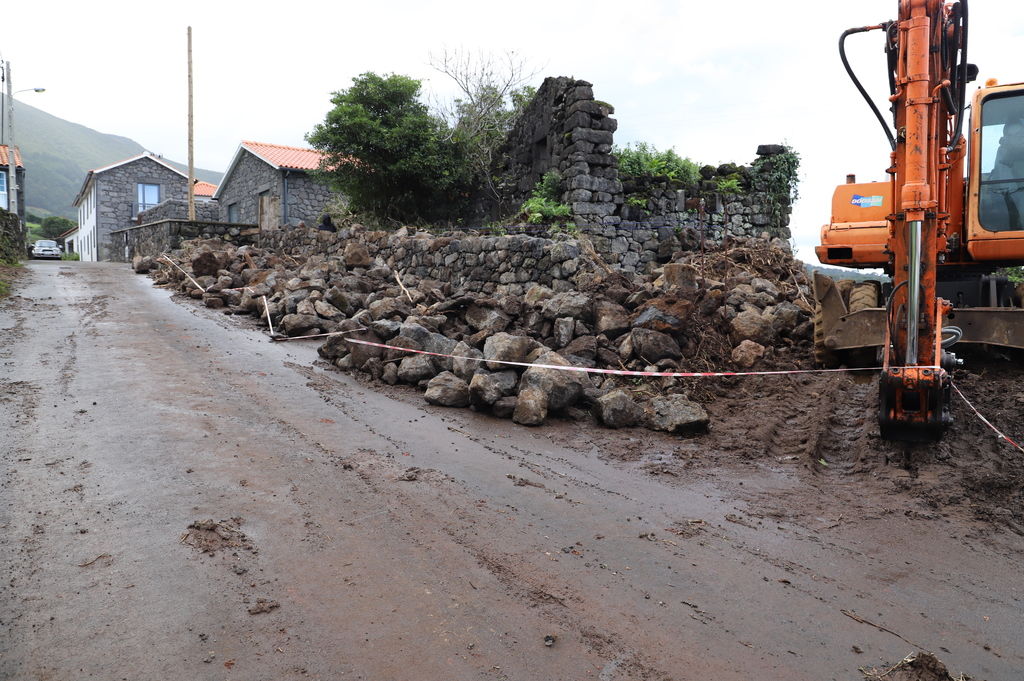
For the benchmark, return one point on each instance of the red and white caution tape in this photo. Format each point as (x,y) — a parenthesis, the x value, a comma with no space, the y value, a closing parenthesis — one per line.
(615,372)
(669,374)
(1002,436)
(317,335)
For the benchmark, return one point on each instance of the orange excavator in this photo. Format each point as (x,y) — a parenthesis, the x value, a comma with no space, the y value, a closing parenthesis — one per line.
(940,233)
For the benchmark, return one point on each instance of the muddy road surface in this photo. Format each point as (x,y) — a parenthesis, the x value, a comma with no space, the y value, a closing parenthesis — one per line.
(181,498)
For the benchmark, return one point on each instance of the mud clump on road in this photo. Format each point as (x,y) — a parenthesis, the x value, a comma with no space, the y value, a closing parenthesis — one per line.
(263,605)
(919,667)
(210,536)
(743,305)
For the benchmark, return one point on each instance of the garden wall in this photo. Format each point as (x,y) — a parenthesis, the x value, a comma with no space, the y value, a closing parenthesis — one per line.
(155,238)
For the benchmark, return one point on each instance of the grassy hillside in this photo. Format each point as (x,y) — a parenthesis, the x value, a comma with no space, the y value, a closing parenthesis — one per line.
(58,153)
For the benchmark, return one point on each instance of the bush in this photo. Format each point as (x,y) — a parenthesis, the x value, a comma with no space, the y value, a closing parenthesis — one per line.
(539,210)
(549,187)
(728,185)
(543,205)
(70,256)
(644,160)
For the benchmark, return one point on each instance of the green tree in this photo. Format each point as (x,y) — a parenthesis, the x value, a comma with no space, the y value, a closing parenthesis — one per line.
(387,153)
(53,226)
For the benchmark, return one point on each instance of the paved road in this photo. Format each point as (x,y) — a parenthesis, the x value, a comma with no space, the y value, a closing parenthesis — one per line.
(126,418)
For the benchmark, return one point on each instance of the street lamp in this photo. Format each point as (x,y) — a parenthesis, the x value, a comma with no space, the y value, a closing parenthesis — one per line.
(12,160)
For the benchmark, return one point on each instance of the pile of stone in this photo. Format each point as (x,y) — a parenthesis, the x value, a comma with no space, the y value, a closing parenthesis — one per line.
(741,306)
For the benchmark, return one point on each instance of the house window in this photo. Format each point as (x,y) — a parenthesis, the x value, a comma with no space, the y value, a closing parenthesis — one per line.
(233,212)
(3,190)
(148,196)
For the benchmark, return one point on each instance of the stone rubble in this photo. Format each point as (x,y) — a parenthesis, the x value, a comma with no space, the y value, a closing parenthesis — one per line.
(740,306)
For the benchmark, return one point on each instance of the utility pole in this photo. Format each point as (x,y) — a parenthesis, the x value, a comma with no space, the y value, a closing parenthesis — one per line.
(12,159)
(191,154)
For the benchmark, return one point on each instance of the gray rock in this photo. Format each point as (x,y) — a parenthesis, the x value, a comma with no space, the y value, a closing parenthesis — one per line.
(508,348)
(416,368)
(327,311)
(564,329)
(617,409)
(417,332)
(531,407)
(569,304)
(764,286)
(487,319)
(465,368)
(653,317)
(142,264)
(610,318)
(356,255)
(785,317)
(390,373)
(386,328)
(751,325)
(505,407)
(537,294)
(338,299)
(584,347)
(485,388)
(401,342)
(338,346)
(388,308)
(447,390)
(205,264)
(747,353)
(676,414)
(653,346)
(561,387)
(299,324)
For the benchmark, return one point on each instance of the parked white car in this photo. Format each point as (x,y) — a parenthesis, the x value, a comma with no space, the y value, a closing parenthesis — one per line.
(45,248)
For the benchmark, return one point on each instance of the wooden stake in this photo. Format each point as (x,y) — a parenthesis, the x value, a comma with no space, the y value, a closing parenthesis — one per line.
(191,154)
(404,290)
(270,322)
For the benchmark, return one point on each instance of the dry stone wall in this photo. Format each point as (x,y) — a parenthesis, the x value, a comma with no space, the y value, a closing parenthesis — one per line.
(12,239)
(155,238)
(177,209)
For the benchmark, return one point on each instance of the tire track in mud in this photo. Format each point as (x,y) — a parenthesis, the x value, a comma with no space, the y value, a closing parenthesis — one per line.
(523,581)
(822,426)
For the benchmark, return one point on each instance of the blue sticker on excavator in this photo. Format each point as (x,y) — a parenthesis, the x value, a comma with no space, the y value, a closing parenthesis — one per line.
(866,201)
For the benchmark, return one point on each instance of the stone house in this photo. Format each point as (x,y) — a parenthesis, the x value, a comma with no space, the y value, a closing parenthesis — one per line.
(112,197)
(19,176)
(69,240)
(270,185)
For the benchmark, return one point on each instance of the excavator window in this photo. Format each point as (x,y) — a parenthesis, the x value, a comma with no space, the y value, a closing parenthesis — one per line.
(1001,200)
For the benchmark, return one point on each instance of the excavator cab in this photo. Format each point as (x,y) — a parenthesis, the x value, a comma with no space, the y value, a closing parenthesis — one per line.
(995,206)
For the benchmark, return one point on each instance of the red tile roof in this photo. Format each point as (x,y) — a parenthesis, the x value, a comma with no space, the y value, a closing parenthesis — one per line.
(281,156)
(201,188)
(4,157)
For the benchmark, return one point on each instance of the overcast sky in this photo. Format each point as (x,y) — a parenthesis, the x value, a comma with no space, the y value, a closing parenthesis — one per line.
(711,79)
